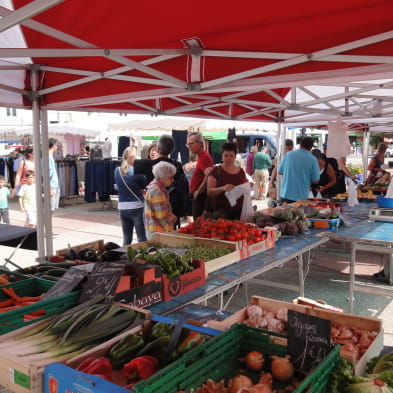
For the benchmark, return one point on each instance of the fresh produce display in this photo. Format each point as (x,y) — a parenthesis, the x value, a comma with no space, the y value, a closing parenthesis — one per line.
(100,367)
(72,332)
(89,254)
(261,375)
(175,264)
(289,221)
(15,301)
(355,341)
(275,322)
(137,356)
(225,230)
(378,379)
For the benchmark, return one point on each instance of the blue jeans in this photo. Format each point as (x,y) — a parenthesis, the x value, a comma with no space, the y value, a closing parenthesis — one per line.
(131,218)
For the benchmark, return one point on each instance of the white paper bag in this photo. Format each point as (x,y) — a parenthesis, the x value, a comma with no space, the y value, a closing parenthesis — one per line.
(352,193)
(389,192)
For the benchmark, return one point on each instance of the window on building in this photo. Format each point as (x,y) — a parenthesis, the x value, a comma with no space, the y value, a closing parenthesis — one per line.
(11,111)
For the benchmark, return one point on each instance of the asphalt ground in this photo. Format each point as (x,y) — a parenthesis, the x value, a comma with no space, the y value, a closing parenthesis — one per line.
(327,277)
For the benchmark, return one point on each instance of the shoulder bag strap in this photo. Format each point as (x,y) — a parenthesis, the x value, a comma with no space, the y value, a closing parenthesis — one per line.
(128,188)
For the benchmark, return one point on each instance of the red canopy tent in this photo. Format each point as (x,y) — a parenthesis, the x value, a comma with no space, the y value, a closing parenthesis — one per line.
(249,61)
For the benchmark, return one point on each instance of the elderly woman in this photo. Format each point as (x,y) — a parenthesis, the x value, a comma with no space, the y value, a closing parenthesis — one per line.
(158,210)
(375,167)
(131,200)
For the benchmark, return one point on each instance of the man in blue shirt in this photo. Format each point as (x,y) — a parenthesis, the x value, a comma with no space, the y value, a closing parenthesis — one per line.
(299,169)
(53,176)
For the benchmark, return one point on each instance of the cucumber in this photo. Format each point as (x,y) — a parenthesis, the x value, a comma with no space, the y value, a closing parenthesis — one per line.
(64,265)
(49,278)
(58,272)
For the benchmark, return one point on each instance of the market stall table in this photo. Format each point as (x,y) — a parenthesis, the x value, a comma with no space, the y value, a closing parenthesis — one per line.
(368,236)
(18,237)
(231,276)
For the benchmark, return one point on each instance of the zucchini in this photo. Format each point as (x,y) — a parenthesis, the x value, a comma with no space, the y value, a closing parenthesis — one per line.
(49,278)
(65,265)
(58,272)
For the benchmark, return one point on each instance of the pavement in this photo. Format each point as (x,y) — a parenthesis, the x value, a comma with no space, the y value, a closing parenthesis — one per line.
(327,277)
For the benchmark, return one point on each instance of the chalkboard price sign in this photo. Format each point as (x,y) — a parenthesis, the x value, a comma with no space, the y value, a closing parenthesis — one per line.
(68,282)
(103,280)
(308,340)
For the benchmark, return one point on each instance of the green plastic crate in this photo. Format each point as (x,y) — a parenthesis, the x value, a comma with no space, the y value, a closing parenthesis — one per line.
(14,276)
(15,319)
(218,359)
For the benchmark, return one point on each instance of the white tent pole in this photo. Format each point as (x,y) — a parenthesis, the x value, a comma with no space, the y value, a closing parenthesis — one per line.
(46,183)
(37,162)
(279,155)
(366,143)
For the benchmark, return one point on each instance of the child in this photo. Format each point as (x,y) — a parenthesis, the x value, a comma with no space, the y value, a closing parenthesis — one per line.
(4,194)
(27,200)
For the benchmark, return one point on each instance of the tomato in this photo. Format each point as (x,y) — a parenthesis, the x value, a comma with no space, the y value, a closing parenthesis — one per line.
(231,238)
(257,239)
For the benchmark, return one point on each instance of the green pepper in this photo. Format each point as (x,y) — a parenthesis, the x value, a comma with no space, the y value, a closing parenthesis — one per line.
(174,274)
(156,347)
(125,349)
(161,329)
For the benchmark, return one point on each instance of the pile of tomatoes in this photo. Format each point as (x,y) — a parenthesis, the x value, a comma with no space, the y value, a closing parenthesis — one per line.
(225,230)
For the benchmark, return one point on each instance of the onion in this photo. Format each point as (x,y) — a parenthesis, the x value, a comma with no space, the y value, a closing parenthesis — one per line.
(282,368)
(254,360)
(261,388)
(239,382)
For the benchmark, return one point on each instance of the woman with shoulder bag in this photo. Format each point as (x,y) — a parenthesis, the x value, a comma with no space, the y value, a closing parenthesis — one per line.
(224,178)
(131,199)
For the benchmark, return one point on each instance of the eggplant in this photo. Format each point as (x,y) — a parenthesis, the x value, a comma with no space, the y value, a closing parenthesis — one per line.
(90,256)
(109,246)
(82,254)
(110,256)
(71,254)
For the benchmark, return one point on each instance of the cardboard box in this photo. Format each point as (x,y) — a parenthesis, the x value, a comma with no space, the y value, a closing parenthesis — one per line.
(248,250)
(266,304)
(144,286)
(184,283)
(62,379)
(23,376)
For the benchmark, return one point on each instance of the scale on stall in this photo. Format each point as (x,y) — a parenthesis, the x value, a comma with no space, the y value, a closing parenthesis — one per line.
(381,214)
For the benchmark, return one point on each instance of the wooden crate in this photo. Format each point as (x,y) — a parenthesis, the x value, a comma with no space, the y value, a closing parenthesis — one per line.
(210,266)
(97,245)
(266,303)
(360,322)
(349,320)
(23,376)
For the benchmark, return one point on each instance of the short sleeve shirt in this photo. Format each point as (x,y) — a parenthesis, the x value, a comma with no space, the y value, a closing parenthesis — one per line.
(204,161)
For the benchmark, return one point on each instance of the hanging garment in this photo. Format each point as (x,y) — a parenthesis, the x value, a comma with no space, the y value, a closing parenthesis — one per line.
(180,138)
(73,144)
(124,142)
(338,141)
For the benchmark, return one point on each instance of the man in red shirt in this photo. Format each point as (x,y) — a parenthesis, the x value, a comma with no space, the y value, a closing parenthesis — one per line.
(202,169)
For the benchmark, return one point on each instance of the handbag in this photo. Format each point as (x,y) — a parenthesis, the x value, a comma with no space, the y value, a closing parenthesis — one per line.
(129,189)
